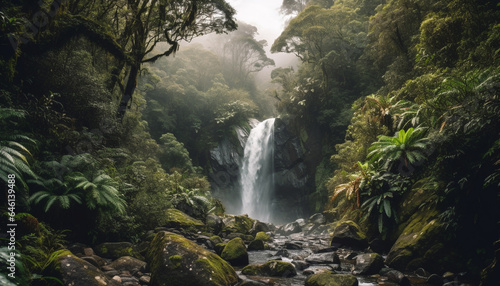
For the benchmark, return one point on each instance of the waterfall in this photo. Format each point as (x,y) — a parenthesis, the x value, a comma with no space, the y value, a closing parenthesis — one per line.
(257,172)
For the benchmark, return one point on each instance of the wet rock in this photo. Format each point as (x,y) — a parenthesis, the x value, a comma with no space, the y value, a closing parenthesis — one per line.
(256,245)
(175,260)
(127,263)
(251,283)
(274,268)
(293,245)
(205,241)
(368,264)
(289,228)
(398,277)
(235,252)
(317,269)
(329,279)
(317,218)
(323,258)
(434,279)
(349,234)
(214,223)
(301,222)
(114,250)
(72,270)
(145,279)
(300,264)
(283,253)
(259,226)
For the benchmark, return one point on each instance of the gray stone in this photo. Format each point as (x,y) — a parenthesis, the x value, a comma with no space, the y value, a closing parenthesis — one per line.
(368,264)
(323,258)
(317,218)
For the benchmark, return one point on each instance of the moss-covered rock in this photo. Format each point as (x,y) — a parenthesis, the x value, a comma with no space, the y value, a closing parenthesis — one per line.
(175,260)
(422,234)
(72,270)
(329,279)
(368,264)
(175,218)
(115,250)
(219,247)
(273,268)
(127,263)
(235,252)
(349,234)
(215,239)
(256,245)
(263,236)
(237,224)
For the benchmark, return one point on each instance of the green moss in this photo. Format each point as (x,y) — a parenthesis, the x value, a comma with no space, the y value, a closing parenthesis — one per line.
(418,236)
(177,219)
(235,252)
(263,236)
(243,224)
(176,260)
(216,239)
(252,270)
(329,279)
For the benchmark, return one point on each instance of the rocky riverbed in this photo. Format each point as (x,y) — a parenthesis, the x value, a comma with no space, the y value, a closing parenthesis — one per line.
(236,250)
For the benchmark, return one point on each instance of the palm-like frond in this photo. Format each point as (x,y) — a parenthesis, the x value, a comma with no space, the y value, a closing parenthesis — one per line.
(407,145)
(102,192)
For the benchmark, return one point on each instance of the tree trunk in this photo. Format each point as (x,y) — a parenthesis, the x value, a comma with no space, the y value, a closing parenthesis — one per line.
(129,90)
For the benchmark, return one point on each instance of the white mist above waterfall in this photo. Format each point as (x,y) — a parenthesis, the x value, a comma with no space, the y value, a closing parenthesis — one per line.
(256,173)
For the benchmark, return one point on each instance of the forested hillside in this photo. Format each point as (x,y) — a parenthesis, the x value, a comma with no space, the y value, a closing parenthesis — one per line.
(108,116)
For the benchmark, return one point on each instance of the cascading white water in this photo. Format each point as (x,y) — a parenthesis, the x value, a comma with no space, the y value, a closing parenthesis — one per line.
(256,175)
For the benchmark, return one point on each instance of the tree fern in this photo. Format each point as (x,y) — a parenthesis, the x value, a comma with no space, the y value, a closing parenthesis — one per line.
(408,146)
(101,193)
(56,193)
(14,154)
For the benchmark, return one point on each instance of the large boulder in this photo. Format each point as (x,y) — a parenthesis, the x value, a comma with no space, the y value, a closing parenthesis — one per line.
(114,250)
(237,224)
(273,268)
(175,260)
(256,245)
(235,252)
(174,218)
(368,264)
(349,234)
(417,245)
(72,270)
(329,279)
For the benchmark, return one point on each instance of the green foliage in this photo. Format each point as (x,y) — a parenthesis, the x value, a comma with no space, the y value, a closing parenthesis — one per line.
(384,191)
(407,147)
(14,153)
(173,154)
(56,194)
(21,275)
(101,193)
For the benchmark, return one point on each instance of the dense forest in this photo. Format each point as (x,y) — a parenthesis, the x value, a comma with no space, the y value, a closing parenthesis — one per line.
(108,114)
